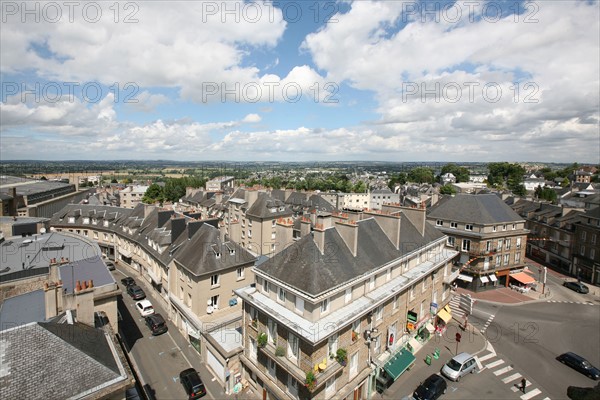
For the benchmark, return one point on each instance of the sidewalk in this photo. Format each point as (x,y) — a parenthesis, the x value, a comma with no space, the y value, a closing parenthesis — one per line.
(472,342)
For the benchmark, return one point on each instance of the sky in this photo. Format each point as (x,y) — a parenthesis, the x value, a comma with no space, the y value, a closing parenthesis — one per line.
(301,80)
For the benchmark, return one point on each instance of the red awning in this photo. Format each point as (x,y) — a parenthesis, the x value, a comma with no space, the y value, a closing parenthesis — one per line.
(522,277)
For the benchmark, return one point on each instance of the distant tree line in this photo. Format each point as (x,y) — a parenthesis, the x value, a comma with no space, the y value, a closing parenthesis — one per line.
(172,191)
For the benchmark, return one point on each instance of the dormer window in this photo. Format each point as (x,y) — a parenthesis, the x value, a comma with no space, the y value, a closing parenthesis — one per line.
(453,225)
(106,223)
(468,227)
(439,222)
(71,220)
(86,220)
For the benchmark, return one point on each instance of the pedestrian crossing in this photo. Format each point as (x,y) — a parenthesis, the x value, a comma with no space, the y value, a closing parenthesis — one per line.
(457,312)
(509,375)
(587,303)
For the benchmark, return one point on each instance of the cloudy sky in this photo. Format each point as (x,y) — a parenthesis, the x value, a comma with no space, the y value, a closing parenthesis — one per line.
(301,80)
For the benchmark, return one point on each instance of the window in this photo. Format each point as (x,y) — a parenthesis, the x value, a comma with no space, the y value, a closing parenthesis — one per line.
(253,349)
(488,245)
(388,274)
(214,280)
(518,244)
(379,313)
(395,303)
(273,235)
(281,295)
(272,368)
(500,244)
(249,233)
(332,344)
(240,273)
(324,306)
(424,286)
(494,228)
(292,347)
(466,245)
(292,386)
(503,227)
(348,295)
(506,259)
(273,223)
(592,253)
(189,300)
(422,307)
(377,345)
(582,250)
(214,301)
(266,286)
(451,241)
(272,331)
(498,260)
(453,225)
(507,244)
(181,292)
(439,222)
(353,365)
(330,387)
(299,304)
(583,234)
(412,292)
(355,330)
(517,258)
(372,283)
(468,227)
(514,226)
(434,297)
(594,239)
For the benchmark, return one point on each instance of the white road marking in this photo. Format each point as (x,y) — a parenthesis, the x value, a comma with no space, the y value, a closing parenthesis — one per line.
(487,356)
(511,378)
(517,387)
(531,394)
(502,370)
(494,364)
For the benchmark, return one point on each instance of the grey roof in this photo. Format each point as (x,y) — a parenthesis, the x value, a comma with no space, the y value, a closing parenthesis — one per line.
(267,207)
(199,256)
(55,360)
(316,202)
(22,309)
(85,270)
(479,209)
(302,266)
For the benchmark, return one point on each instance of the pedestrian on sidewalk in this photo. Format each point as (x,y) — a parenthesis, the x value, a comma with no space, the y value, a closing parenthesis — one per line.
(523,385)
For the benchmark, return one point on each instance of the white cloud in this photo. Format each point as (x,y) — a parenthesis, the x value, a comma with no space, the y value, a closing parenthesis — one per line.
(252,118)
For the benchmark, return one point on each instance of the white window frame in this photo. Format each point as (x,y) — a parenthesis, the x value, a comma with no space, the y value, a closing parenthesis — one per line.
(468,227)
(272,331)
(332,344)
(214,280)
(214,301)
(439,222)
(293,347)
(518,244)
(466,245)
(325,306)
(372,282)
(299,304)
(453,225)
(240,273)
(348,296)
(451,241)
(266,286)
(281,295)
(330,387)
(353,365)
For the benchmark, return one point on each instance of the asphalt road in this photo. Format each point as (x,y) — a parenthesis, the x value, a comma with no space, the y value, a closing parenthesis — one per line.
(158,359)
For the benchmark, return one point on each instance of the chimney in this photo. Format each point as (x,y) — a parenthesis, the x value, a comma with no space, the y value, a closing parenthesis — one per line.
(177,228)
(319,237)
(50,300)
(416,216)
(285,233)
(251,196)
(390,224)
(84,304)
(148,208)
(349,233)
(164,216)
(15,202)
(193,227)
(324,219)
(304,226)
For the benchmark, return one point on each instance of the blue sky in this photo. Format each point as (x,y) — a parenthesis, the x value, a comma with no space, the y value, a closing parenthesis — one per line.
(301,80)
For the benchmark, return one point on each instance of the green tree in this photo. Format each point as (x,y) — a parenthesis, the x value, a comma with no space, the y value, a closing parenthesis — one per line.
(399,179)
(153,194)
(447,189)
(565,183)
(545,193)
(113,180)
(43,178)
(421,175)
(461,173)
(360,187)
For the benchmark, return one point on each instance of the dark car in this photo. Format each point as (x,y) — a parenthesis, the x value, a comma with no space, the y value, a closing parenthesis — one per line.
(128,281)
(136,292)
(579,364)
(576,286)
(192,383)
(157,324)
(432,388)
(111,265)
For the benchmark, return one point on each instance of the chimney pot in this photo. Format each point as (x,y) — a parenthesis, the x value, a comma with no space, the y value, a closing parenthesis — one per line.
(78,286)
(91,283)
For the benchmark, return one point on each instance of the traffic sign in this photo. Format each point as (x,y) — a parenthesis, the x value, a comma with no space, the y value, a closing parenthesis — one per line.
(458,336)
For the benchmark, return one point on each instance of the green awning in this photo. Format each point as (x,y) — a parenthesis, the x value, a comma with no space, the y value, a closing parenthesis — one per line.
(399,363)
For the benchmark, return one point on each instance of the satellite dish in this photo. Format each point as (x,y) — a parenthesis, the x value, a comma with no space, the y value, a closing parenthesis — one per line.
(209,309)
(43,230)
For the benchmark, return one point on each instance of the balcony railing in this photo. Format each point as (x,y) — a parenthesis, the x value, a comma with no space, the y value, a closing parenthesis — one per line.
(450,278)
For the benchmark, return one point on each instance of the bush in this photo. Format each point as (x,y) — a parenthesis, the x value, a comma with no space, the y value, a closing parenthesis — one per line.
(262,339)
(279,351)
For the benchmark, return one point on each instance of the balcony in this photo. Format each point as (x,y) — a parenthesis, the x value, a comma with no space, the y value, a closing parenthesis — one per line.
(482,253)
(453,275)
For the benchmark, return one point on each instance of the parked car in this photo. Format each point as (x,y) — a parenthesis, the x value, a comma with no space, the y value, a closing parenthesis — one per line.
(157,324)
(432,388)
(128,281)
(144,307)
(136,292)
(459,366)
(579,364)
(192,383)
(577,286)
(111,265)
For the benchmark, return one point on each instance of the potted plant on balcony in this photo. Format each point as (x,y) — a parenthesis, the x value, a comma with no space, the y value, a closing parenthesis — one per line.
(342,356)
(254,322)
(261,339)
(280,351)
(311,381)
(354,336)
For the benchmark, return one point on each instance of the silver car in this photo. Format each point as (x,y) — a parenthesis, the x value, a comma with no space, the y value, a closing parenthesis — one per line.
(459,366)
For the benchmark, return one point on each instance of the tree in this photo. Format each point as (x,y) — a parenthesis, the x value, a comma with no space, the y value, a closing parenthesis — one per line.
(505,174)
(399,179)
(545,193)
(447,189)
(421,175)
(43,178)
(565,183)
(360,187)
(113,180)
(461,173)
(153,194)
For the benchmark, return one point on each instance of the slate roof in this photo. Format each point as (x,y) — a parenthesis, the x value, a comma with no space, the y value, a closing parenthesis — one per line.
(199,255)
(302,266)
(57,361)
(23,309)
(84,270)
(263,206)
(318,203)
(479,209)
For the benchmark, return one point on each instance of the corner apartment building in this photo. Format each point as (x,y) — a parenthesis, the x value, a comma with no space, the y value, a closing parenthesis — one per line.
(346,306)
(586,252)
(490,236)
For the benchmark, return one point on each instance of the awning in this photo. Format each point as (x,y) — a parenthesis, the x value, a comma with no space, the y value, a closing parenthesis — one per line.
(125,253)
(466,278)
(153,276)
(399,363)
(522,277)
(430,327)
(444,315)
(492,278)
(483,279)
(413,343)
